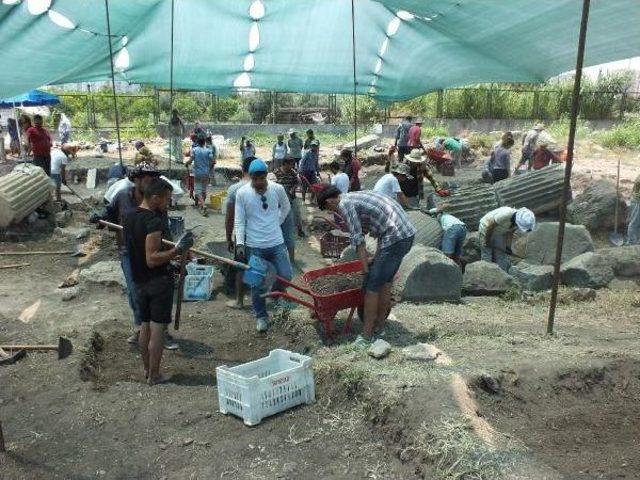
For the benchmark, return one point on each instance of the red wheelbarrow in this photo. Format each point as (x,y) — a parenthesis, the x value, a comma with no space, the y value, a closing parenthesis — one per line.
(325,307)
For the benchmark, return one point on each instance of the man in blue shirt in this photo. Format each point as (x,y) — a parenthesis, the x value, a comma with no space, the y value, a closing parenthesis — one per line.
(203,160)
(309,167)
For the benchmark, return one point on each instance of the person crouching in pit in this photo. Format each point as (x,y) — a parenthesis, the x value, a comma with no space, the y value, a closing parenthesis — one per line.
(144,230)
(390,225)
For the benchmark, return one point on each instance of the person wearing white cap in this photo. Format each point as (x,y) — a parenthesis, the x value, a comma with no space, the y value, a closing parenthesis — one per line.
(496,233)
(389,184)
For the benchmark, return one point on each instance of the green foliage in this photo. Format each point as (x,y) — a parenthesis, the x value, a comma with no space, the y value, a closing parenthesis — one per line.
(603,98)
(225,108)
(368,111)
(188,107)
(140,128)
(624,135)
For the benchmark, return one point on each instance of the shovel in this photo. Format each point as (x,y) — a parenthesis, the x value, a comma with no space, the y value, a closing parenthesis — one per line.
(79,197)
(617,239)
(256,272)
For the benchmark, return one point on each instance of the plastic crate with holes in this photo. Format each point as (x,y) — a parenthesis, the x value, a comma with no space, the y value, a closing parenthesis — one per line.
(333,243)
(264,387)
(198,283)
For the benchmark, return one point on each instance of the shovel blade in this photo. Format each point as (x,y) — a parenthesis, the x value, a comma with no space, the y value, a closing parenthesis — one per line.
(616,239)
(257,271)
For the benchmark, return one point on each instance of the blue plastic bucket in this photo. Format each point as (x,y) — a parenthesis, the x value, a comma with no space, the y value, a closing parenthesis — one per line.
(257,272)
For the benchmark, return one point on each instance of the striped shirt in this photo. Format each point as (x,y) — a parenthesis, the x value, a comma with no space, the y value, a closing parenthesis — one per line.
(388,222)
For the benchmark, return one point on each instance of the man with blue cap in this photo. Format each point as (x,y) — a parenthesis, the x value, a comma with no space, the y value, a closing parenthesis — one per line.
(261,207)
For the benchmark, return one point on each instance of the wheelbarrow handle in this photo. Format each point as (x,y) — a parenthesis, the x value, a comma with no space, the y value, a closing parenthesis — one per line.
(287,296)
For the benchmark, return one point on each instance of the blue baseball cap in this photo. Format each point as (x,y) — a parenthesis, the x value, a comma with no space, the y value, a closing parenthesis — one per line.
(257,166)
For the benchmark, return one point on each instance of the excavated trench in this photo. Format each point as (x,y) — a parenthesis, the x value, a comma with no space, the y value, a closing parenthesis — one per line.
(582,422)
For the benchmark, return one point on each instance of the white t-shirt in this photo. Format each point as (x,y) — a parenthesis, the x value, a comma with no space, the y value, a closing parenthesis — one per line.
(341,181)
(257,221)
(388,185)
(58,158)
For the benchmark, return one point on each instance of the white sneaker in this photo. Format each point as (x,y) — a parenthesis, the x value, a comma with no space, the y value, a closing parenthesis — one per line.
(361,343)
(262,325)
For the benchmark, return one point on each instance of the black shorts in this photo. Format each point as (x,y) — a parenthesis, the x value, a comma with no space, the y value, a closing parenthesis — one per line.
(155,300)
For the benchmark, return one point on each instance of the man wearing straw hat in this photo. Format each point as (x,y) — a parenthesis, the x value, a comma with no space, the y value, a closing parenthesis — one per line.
(414,188)
(529,144)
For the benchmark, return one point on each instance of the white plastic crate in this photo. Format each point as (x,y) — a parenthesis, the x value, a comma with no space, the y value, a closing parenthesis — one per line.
(264,387)
(198,284)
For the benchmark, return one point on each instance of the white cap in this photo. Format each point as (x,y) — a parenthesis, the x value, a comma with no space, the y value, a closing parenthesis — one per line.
(525,219)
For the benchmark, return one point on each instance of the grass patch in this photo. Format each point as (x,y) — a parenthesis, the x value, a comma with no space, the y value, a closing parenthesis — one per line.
(624,135)
(512,294)
(456,452)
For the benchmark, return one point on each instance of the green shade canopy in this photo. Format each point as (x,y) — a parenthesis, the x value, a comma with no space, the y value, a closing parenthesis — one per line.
(404,48)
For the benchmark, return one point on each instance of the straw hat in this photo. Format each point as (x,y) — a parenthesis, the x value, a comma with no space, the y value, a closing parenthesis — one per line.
(415,156)
(539,126)
(402,169)
(418,121)
(291,130)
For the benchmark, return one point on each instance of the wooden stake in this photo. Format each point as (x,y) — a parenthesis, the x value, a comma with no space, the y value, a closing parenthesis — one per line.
(2,449)
(15,265)
(38,252)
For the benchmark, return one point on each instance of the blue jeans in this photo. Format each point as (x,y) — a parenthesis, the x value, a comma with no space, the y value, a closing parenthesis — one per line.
(131,289)
(453,240)
(278,257)
(289,231)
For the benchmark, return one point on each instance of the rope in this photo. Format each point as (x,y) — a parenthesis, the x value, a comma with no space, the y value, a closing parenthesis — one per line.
(113,81)
(355,83)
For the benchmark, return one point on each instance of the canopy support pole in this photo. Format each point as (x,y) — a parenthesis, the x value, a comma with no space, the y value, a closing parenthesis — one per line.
(113,81)
(15,114)
(355,82)
(575,105)
(171,80)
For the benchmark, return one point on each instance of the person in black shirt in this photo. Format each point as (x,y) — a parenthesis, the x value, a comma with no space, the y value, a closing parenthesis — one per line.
(152,276)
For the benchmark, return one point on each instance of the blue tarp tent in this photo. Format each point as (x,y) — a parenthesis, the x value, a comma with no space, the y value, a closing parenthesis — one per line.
(34,98)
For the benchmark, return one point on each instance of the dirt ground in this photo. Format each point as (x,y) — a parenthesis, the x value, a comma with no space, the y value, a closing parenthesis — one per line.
(501,400)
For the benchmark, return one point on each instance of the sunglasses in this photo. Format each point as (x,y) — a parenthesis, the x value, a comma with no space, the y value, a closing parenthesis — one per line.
(264,202)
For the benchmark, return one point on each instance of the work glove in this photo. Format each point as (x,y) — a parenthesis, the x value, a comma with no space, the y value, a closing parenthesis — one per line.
(184,243)
(96,216)
(443,192)
(241,254)
(508,250)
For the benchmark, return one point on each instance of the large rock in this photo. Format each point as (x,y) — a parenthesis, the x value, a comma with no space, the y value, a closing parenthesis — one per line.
(590,270)
(427,275)
(595,207)
(363,142)
(533,278)
(104,273)
(539,246)
(625,261)
(379,349)
(485,278)
(349,254)
(429,230)
(471,248)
